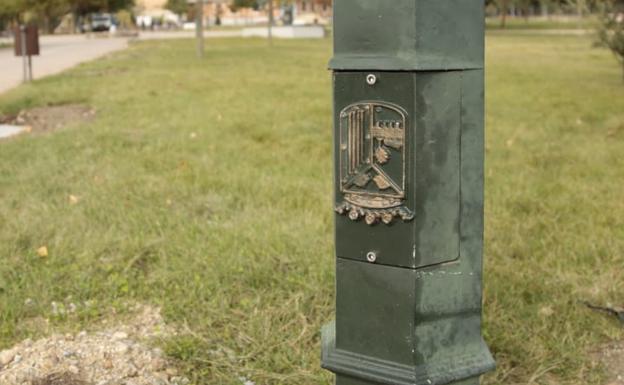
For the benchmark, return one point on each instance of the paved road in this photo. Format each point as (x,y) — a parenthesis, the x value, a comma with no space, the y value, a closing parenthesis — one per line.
(57,53)
(188,34)
(61,52)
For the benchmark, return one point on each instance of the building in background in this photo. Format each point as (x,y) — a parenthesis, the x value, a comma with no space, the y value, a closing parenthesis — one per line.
(307,9)
(150,5)
(153,13)
(224,12)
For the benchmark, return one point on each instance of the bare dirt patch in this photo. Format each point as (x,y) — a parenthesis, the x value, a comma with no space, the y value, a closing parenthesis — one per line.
(51,118)
(118,354)
(612,357)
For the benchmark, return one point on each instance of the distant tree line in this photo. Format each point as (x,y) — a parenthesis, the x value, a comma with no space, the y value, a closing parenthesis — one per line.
(181,6)
(48,13)
(527,8)
(178,7)
(256,4)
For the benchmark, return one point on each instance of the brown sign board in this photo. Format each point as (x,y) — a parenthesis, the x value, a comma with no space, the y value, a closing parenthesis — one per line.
(32,40)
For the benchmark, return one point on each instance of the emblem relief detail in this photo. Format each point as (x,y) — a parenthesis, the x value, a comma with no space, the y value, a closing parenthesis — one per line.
(372,161)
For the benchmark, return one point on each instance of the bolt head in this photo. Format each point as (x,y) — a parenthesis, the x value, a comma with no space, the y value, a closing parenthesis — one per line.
(371,79)
(371,256)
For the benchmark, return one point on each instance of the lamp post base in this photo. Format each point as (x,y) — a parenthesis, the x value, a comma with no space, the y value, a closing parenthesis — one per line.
(346,380)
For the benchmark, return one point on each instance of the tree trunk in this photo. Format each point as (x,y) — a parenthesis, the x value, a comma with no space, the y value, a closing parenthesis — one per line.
(270,31)
(199,27)
(544,9)
(47,25)
(504,6)
(579,8)
(74,26)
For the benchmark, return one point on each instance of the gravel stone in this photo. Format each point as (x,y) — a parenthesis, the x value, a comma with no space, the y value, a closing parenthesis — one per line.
(118,354)
(120,335)
(6,356)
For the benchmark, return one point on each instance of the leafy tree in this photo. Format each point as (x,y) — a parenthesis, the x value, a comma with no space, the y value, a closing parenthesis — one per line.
(611,30)
(118,5)
(83,7)
(580,7)
(524,6)
(503,8)
(177,6)
(237,4)
(46,13)
(10,12)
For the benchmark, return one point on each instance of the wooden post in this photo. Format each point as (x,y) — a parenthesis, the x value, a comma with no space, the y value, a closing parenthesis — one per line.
(22,30)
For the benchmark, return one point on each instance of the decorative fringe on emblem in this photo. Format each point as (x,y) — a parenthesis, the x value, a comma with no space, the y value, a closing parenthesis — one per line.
(372,216)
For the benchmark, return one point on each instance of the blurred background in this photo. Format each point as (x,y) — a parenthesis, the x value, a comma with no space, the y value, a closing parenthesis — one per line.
(81,16)
(166,199)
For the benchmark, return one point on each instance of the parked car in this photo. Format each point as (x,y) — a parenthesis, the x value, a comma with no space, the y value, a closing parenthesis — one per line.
(102,22)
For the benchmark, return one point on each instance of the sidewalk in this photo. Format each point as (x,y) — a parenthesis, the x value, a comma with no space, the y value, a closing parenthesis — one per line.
(60,52)
(57,54)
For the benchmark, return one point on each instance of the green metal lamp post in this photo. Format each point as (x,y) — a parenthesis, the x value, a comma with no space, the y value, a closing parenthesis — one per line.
(408,137)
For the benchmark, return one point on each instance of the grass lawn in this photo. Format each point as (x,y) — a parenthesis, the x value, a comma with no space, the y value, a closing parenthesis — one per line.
(543,23)
(204,187)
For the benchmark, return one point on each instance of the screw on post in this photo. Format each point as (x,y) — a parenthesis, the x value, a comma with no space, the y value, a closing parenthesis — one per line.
(371,257)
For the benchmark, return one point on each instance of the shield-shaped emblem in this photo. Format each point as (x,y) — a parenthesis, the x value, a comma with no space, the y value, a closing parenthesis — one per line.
(372,162)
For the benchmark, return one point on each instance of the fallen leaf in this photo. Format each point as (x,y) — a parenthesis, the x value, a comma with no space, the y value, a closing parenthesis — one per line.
(73,199)
(546,311)
(42,251)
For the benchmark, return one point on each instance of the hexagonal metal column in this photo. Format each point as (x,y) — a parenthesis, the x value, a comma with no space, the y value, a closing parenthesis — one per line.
(408,149)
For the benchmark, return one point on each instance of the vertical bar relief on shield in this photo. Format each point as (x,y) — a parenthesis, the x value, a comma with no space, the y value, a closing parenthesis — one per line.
(351,141)
(360,136)
(355,139)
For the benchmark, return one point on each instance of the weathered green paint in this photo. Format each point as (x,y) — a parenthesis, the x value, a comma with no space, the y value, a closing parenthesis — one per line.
(413,316)
(432,101)
(404,35)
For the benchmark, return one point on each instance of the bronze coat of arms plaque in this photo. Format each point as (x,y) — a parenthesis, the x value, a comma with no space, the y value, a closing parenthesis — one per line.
(372,162)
